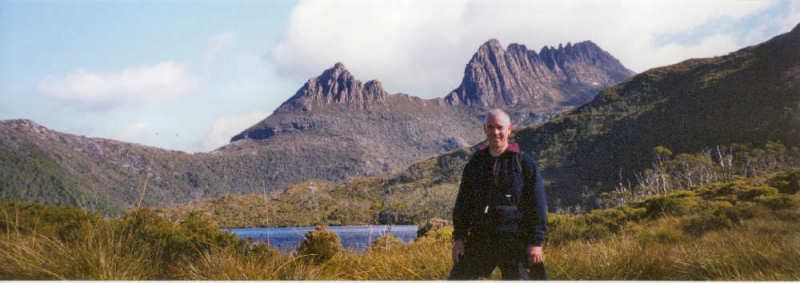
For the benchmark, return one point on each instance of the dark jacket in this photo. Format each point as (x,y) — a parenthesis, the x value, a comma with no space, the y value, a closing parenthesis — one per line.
(495,196)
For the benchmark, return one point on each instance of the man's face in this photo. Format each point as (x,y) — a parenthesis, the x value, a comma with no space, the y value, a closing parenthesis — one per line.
(497,129)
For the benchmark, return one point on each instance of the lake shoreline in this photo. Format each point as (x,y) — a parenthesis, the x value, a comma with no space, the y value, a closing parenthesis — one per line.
(352,237)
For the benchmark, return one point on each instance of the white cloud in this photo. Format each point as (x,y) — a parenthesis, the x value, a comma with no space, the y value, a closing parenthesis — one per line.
(218,43)
(422,46)
(225,127)
(163,81)
(710,46)
(132,133)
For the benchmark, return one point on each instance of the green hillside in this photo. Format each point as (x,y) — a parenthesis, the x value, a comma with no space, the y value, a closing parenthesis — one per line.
(716,107)
(750,97)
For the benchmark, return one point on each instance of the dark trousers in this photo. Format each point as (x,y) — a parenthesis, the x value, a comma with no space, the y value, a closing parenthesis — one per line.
(483,253)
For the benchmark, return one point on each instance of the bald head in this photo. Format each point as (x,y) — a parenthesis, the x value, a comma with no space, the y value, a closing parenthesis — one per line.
(498,115)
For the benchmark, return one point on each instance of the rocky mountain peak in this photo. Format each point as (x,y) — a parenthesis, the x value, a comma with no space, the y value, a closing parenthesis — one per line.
(335,86)
(24,125)
(567,75)
(334,73)
(491,46)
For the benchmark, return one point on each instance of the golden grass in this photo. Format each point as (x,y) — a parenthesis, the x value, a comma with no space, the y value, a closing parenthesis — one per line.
(752,237)
(758,249)
(99,255)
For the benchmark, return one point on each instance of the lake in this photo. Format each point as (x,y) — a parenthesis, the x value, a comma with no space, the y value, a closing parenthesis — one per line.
(356,238)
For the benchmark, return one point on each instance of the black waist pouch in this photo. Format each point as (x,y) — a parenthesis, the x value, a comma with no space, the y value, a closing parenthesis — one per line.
(505,218)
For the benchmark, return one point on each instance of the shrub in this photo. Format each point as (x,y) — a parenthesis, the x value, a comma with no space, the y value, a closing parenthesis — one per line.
(386,241)
(173,243)
(65,224)
(677,204)
(715,215)
(614,219)
(444,234)
(261,251)
(723,190)
(780,201)
(754,192)
(431,225)
(320,244)
(787,182)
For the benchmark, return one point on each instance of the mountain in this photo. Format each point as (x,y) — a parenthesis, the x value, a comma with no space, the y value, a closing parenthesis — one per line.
(528,84)
(333,128)
(336,127)
(750,97)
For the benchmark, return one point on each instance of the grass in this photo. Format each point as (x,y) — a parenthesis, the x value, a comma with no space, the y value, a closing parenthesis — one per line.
(756,250)
(741,230)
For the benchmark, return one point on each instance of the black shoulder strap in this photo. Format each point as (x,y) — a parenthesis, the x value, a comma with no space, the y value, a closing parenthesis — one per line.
(518,161)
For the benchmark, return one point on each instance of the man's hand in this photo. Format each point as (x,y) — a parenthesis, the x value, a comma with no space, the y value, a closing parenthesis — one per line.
(458,251)
(536,254)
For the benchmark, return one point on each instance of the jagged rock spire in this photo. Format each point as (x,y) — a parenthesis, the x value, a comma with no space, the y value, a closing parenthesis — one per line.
(571,74)
(336,86)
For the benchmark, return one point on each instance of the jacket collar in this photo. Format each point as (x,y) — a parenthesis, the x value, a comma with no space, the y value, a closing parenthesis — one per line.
(512,147)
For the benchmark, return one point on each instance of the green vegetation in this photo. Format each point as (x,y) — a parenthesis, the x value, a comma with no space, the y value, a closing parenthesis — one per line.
(42,242)
(745,229)
(320,244)
(670,172)
(35,176)
(355,202)
(412,196)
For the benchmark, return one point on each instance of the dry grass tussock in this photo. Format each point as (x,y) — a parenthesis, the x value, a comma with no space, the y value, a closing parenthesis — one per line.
(755,250)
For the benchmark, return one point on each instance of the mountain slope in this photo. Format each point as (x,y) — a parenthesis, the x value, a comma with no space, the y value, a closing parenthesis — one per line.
(335,122)
(42,165)
(750,96)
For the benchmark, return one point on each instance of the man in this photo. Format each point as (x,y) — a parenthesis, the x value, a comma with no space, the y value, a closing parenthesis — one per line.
(500,213)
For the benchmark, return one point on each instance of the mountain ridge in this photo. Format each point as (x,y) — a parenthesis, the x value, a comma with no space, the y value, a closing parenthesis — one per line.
(333,128)
(498,77)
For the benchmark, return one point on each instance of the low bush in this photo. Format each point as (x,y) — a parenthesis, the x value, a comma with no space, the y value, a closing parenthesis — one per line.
(675,204)
(320,244)
(65,224)
(787,182)
(431,225)
(715,215)
(386,241)
(756,191)
(781,201)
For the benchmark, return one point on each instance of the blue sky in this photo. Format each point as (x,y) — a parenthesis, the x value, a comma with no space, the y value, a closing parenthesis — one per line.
(187,75)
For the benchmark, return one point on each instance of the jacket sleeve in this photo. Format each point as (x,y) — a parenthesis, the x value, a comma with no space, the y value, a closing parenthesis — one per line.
(534,205)
(462,212)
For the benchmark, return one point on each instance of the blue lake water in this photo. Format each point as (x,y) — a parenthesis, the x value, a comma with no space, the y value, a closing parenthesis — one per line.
(356,238)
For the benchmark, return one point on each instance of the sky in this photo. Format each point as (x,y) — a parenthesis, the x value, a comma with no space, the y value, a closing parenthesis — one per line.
(188,75)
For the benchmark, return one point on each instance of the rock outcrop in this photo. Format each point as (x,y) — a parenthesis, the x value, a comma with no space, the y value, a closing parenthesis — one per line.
(529,83)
